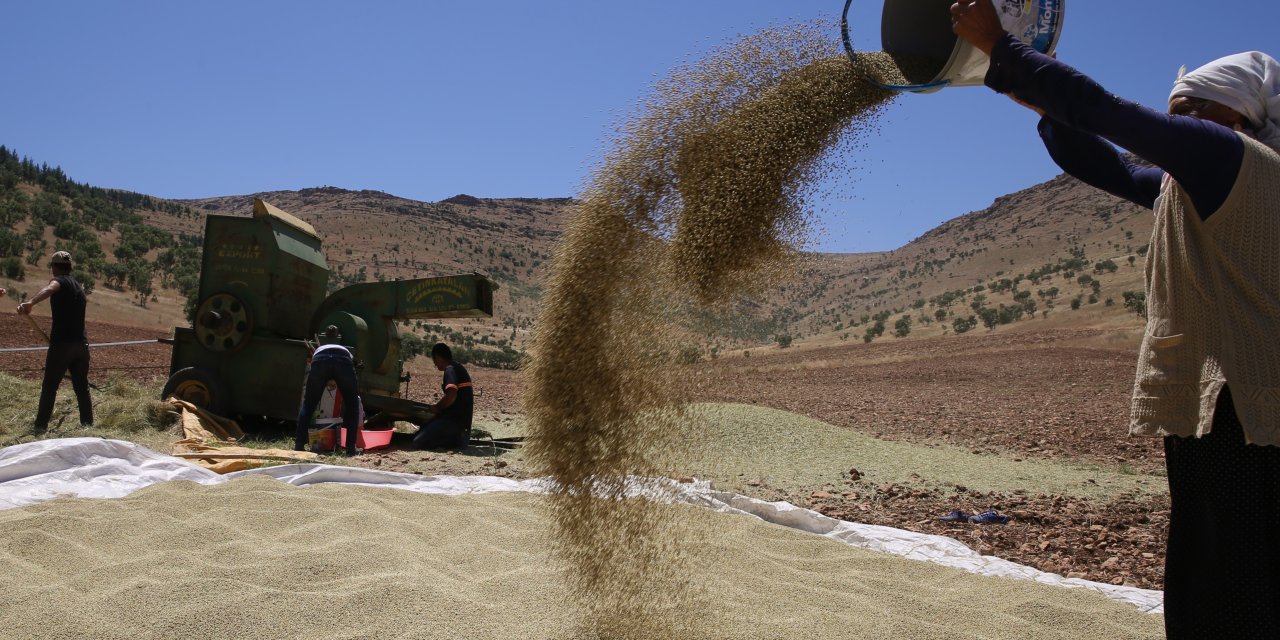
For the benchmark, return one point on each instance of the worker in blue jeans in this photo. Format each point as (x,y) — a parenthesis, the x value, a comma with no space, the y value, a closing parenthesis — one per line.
(330,361)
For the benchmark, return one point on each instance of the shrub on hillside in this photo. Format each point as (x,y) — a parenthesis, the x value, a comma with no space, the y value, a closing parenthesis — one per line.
(1136,301)
(902,327)
(13,268)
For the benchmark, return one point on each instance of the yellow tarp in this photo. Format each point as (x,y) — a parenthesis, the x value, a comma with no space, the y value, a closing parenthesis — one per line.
(198,423)
(203,432)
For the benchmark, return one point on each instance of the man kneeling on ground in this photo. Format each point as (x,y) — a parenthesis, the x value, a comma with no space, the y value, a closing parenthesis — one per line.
(451,426)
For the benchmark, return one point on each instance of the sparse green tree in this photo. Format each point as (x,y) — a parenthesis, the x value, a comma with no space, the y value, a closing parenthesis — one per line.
(1136,301)
(902,327)
(13,268)
(990,317)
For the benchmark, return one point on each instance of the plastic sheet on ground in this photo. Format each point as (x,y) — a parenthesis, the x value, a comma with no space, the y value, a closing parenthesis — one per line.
(95,468)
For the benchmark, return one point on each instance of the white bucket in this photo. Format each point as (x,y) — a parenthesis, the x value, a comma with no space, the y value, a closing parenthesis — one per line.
(922,29)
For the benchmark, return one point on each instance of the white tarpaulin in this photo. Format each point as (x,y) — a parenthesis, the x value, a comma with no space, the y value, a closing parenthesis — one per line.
(96,468)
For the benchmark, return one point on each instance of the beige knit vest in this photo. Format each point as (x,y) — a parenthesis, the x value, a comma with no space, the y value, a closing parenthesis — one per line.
(1213,309)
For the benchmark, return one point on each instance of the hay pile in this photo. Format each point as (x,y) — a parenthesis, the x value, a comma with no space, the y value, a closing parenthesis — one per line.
(256,558)
(700,200)
(122,408)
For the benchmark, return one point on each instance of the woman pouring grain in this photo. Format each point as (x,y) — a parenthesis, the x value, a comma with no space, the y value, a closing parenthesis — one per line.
(1208,377)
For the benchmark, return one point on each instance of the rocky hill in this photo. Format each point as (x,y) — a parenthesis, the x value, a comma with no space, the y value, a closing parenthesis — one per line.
(1059,253)
(374,236)
(1060,248)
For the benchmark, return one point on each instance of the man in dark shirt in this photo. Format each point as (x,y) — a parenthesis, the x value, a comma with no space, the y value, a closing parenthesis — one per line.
(451,426)
(68,346)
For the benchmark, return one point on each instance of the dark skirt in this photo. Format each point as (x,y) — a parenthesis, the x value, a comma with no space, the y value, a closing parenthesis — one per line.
(1222,571)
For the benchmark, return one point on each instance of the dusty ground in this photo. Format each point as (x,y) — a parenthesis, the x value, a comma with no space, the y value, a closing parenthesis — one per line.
(1060,395)
(1054,395)
(1049,394)
(139,362)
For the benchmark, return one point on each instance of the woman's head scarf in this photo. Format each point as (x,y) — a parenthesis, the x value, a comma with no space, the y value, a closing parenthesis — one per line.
(1247,82)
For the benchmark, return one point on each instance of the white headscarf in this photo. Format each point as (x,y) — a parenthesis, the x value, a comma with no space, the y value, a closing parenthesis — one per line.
(1247,82)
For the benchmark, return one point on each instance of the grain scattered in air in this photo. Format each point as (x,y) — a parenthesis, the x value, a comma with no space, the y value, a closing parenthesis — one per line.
(899,69)
(699,200)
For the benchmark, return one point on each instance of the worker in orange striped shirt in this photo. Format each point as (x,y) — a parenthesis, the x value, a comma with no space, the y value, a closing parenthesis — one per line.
(451,426)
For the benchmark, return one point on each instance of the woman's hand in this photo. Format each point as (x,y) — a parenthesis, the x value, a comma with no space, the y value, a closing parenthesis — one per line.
(977,22)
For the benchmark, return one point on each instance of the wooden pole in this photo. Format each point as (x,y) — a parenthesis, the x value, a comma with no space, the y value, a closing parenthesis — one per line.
(36,326)
(240,456)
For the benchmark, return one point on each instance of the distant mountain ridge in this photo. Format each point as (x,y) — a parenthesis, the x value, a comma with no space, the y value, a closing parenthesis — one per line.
(1005,260)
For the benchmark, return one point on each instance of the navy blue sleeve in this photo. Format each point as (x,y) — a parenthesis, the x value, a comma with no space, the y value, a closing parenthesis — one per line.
(1093,161)
(1202,156)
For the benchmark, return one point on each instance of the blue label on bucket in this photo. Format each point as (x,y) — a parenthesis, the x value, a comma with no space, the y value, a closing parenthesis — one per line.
(1035,22)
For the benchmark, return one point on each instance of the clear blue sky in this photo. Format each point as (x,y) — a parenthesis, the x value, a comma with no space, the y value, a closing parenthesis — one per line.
(430,99)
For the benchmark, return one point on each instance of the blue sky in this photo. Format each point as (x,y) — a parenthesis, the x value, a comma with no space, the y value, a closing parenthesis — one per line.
(430,99)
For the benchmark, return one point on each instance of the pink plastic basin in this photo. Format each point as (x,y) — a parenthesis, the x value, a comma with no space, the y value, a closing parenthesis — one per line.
(370,438)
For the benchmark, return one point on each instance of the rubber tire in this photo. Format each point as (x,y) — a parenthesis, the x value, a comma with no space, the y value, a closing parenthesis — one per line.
(200,387)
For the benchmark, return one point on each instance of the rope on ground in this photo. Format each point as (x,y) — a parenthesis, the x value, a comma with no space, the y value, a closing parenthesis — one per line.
(100,344)
(95,368)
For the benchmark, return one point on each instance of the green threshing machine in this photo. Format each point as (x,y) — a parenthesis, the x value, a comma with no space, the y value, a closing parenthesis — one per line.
(262,296)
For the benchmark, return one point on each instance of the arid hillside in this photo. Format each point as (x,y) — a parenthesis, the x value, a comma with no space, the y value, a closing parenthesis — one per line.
(1037,252)
(1007,254)
(1058,254)
(373,236)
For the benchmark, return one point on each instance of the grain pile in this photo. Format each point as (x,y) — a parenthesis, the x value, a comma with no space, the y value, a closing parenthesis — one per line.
(256,558)
(700,199)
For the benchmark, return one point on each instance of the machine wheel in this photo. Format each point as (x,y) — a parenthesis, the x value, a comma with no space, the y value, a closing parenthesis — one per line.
(223,323)
(200,387)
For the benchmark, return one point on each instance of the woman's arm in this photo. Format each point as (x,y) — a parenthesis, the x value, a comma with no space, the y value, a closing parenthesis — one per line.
(1204,157)
(1093,161)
